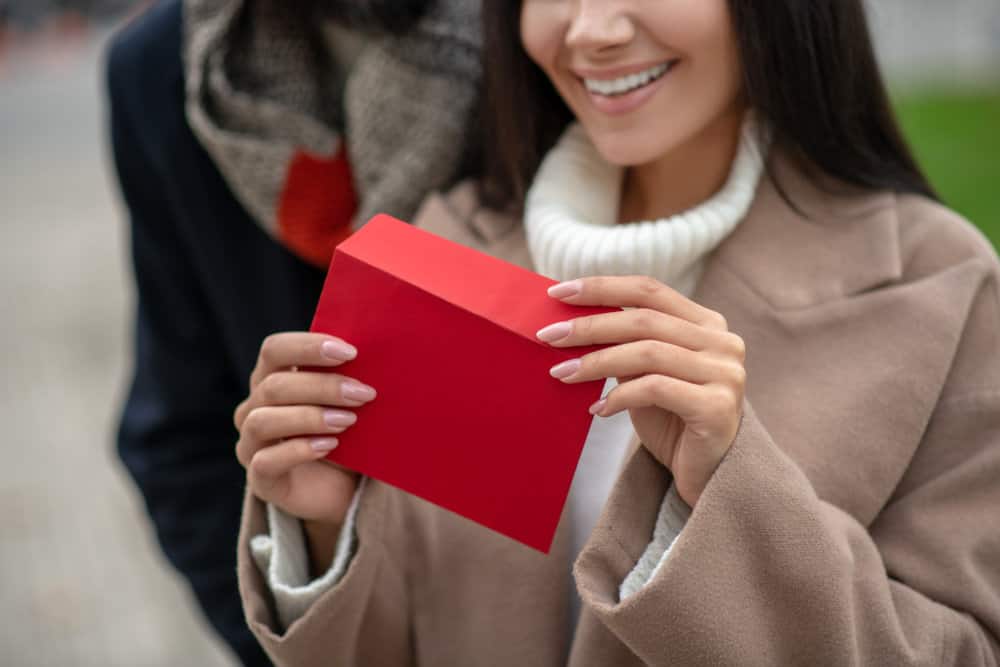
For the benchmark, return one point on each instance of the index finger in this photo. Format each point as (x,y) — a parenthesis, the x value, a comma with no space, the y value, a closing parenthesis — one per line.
(635,292)
(290,349)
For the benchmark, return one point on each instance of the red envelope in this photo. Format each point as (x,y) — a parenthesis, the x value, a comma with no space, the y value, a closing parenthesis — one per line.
(467,415)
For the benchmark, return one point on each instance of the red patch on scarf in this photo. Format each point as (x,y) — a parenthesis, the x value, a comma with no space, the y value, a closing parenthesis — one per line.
(317,205)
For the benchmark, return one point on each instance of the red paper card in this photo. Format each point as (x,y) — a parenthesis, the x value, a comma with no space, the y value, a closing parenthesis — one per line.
(467,415)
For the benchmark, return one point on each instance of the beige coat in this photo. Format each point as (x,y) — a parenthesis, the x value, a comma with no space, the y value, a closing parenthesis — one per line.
(855,520)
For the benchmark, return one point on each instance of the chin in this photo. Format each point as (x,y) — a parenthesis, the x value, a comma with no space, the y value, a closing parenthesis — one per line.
(631,148)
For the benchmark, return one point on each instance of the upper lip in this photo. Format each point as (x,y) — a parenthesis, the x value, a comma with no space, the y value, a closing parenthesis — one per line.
(607,73)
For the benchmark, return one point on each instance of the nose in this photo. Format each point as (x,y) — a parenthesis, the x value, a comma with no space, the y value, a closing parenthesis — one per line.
(599,25)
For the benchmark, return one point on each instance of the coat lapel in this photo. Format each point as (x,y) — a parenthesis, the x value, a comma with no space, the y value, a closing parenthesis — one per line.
(830,335)
(840,242)
(832,331)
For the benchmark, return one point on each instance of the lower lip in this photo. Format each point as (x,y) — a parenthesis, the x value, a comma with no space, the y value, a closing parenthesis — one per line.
(618,105)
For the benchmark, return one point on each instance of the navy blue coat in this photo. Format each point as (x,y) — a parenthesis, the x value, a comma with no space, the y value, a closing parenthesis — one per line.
(210,285)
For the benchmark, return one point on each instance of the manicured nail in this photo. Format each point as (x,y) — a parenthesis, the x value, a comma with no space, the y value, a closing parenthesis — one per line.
(567,289)
(554,332)
(335,418)
(355,391)
(598,406)
(338,350)
(565,369)
(323,444)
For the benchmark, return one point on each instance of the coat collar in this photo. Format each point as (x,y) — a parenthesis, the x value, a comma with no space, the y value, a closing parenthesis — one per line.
(841,241)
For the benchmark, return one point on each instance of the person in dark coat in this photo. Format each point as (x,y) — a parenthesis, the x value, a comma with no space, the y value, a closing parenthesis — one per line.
(239,179)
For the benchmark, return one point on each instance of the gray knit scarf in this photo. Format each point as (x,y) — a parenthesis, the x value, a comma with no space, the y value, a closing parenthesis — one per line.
(280,91)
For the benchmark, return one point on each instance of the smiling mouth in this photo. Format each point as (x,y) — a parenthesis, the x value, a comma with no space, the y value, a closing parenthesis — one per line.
(627,84)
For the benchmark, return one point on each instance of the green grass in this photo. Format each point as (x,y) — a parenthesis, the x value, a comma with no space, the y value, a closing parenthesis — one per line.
(956,138)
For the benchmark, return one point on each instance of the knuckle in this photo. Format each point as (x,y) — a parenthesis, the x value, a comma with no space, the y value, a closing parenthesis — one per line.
(643,319)
(239,449)
(253,424)
(259,467)
(271,388)
(735,375)
(740,374)
(649,352)
(649,285)
(718,400)
(718,321)
(739,347)
(268,348)
(238,416)
(659,388)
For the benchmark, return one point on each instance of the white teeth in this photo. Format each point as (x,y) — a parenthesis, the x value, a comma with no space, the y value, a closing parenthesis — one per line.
(625,84)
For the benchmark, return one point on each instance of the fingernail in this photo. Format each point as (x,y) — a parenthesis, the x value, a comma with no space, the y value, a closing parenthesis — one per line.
(565,369)
(554,332)
(566,289)
(323,444)
(338,350)
(356,391)
(598,406)
(339,418)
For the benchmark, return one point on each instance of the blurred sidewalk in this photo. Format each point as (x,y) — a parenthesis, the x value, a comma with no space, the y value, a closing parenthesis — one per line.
(83,584)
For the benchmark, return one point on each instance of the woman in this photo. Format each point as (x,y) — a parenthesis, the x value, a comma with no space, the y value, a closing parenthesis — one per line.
(807,354)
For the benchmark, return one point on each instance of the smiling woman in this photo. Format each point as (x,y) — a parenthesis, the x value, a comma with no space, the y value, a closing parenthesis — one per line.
(670,76)
(809,71)
(799,439)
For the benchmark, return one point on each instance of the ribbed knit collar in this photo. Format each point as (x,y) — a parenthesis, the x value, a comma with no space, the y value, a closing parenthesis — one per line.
(571,214)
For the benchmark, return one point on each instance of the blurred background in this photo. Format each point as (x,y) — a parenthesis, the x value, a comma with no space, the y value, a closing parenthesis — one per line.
(81,579)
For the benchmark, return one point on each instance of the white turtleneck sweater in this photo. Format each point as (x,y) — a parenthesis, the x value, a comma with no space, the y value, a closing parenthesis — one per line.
(570,220)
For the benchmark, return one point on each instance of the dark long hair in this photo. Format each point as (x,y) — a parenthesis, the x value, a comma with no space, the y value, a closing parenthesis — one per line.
(809,71)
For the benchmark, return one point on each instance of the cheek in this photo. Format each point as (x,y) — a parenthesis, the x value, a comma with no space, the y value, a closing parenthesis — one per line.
(543,24)
(704,90)
(710,43)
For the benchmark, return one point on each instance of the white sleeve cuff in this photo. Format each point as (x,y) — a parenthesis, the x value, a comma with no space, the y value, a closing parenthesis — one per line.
(282,559)
(674,513)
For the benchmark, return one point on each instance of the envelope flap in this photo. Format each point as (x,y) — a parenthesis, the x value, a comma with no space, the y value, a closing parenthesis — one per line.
(498,291)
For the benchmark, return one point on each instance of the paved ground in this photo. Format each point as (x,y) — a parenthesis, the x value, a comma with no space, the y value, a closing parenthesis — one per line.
(81,582)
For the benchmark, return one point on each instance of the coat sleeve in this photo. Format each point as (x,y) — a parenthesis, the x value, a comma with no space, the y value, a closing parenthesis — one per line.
(283,559)
(767,573)
(670,520)
(362,619)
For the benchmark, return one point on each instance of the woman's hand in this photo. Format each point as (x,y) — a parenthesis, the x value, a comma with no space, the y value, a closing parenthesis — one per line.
(289,423)
(680,370)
